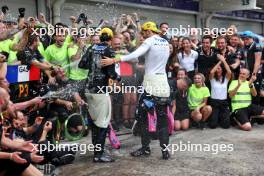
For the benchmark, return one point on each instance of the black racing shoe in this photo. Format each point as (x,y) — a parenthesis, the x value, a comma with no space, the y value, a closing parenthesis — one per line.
(141,152)
(104,158)
(165,155)
(202,125)
(67,159)
(63,160)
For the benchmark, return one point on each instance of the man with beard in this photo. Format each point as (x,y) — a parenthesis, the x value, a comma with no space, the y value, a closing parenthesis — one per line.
(206,58)
(57,53)
(235,47)
(232,58)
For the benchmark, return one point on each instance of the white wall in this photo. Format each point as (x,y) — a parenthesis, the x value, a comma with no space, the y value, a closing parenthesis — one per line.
(241,25)
(96,11)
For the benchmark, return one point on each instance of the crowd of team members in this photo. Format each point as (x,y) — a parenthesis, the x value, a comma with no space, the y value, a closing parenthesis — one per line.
(227,79)
(213,81)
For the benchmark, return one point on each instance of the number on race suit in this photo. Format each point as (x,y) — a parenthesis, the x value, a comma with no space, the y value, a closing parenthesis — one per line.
(23,90)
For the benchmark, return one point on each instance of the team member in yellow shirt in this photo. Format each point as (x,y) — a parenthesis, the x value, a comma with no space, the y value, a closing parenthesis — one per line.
(241,92)
(198,95)
(57,54)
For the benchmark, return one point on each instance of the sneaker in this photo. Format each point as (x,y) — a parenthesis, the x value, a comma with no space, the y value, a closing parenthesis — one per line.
(165,155)
(104,158)
(141,152)
(67,159)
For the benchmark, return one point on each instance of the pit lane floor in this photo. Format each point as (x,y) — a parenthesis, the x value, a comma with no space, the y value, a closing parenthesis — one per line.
(246,159)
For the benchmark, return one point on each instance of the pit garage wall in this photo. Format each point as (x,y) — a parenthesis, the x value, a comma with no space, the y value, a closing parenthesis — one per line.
(72,7)
(97,11)
(175,19)
(241,25)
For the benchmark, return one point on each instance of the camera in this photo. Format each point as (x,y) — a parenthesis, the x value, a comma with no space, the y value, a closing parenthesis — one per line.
(82,17)
(21,12)
(4,9)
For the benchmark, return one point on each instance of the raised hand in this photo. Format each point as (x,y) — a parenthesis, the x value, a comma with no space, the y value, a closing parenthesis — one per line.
(221,57)
(42,18)
(48,126)
(252,79)
(36,158)
(38,120)
(16,158)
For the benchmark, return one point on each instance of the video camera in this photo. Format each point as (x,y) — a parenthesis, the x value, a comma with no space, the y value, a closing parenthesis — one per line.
(5,9)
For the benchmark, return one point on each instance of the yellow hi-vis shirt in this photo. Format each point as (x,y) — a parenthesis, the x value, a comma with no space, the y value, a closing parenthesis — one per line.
(196,96)
(243,97)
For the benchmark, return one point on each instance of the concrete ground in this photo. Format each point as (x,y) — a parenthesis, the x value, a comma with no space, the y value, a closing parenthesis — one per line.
(246,159)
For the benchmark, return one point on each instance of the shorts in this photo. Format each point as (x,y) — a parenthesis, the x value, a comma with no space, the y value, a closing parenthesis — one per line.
(182,115)
(243,115)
